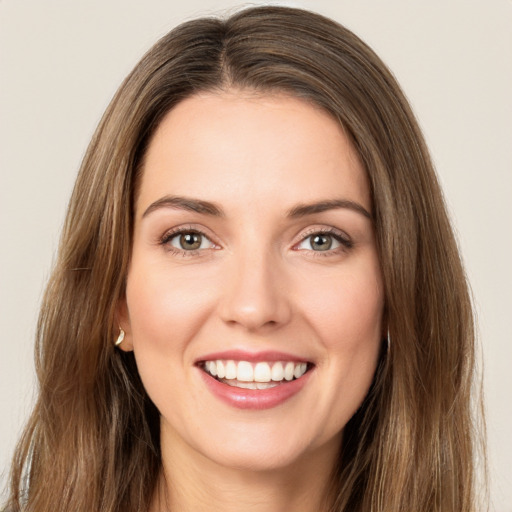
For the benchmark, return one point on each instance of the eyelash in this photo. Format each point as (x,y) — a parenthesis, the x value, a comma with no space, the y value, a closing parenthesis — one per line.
(344,241)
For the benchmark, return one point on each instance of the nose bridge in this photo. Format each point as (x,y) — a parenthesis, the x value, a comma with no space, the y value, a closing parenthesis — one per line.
(254,295)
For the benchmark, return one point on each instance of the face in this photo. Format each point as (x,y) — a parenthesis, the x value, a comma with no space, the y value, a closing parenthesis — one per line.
(254,295)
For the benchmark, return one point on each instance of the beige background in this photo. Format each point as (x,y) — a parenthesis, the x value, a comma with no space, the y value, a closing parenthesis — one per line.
(61,61)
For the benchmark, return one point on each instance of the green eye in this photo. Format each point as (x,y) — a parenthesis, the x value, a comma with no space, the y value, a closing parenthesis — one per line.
(320,242)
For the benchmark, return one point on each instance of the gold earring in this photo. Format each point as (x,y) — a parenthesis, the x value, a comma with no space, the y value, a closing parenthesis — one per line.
(120,338)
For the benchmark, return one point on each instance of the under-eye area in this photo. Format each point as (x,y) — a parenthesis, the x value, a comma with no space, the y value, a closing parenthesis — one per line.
(260,375)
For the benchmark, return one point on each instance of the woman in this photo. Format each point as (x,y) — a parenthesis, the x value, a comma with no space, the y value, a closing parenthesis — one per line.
(258,301)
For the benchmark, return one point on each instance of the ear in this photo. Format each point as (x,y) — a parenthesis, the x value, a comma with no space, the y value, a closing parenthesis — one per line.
(123,320)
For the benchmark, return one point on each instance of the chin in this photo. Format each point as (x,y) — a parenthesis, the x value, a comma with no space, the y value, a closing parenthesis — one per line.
(266,450)
(257,460)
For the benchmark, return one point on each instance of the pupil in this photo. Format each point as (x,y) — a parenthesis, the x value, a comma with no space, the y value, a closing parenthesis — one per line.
(190,241)
(321,242)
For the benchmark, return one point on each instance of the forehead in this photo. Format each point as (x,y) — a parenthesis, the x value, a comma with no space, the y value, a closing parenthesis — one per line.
(254,147)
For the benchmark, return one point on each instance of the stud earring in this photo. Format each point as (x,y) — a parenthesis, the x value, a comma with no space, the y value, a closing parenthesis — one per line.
(120,338)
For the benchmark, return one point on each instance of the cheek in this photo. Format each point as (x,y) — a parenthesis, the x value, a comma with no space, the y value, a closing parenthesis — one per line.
(346,315)
(164,308)
(347,319)
(347,311)
(165,313)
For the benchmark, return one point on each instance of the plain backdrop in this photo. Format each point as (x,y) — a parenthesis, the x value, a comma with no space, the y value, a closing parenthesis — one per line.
(61,61)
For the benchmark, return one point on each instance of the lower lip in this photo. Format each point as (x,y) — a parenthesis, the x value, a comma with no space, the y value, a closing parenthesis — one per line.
(254,398)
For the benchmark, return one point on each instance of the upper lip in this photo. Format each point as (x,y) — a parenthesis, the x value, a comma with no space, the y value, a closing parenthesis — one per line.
(252,357)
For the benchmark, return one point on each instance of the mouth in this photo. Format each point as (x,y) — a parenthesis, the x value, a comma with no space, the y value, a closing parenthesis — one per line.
(257,375)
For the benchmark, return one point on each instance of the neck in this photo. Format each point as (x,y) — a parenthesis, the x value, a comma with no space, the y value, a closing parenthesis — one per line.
(189,482)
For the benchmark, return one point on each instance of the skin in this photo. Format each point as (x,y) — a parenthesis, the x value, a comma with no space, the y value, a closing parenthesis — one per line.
(257,283)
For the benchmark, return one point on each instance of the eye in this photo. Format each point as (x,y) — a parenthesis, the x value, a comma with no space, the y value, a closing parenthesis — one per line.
(319,242)
(188,241)
(324,241)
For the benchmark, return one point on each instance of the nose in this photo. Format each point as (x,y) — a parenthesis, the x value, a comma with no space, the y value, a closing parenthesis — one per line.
(255,294)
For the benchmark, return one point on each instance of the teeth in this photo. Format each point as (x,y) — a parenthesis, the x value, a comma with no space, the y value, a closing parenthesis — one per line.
(221,369)
(265,385)
(289,371)
(277,372)
(244,373)
(299,370)
(230,369)
(261,375)
(212,368)
(250,385)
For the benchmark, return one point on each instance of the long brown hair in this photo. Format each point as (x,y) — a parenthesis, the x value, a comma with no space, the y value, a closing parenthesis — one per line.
(92,442)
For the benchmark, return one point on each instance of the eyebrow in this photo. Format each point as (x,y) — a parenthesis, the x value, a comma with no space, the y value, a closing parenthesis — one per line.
(209,208)
(302,210)
(185,203)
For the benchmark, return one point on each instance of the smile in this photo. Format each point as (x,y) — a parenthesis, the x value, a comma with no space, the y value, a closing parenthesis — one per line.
(254,375)
(254,380)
